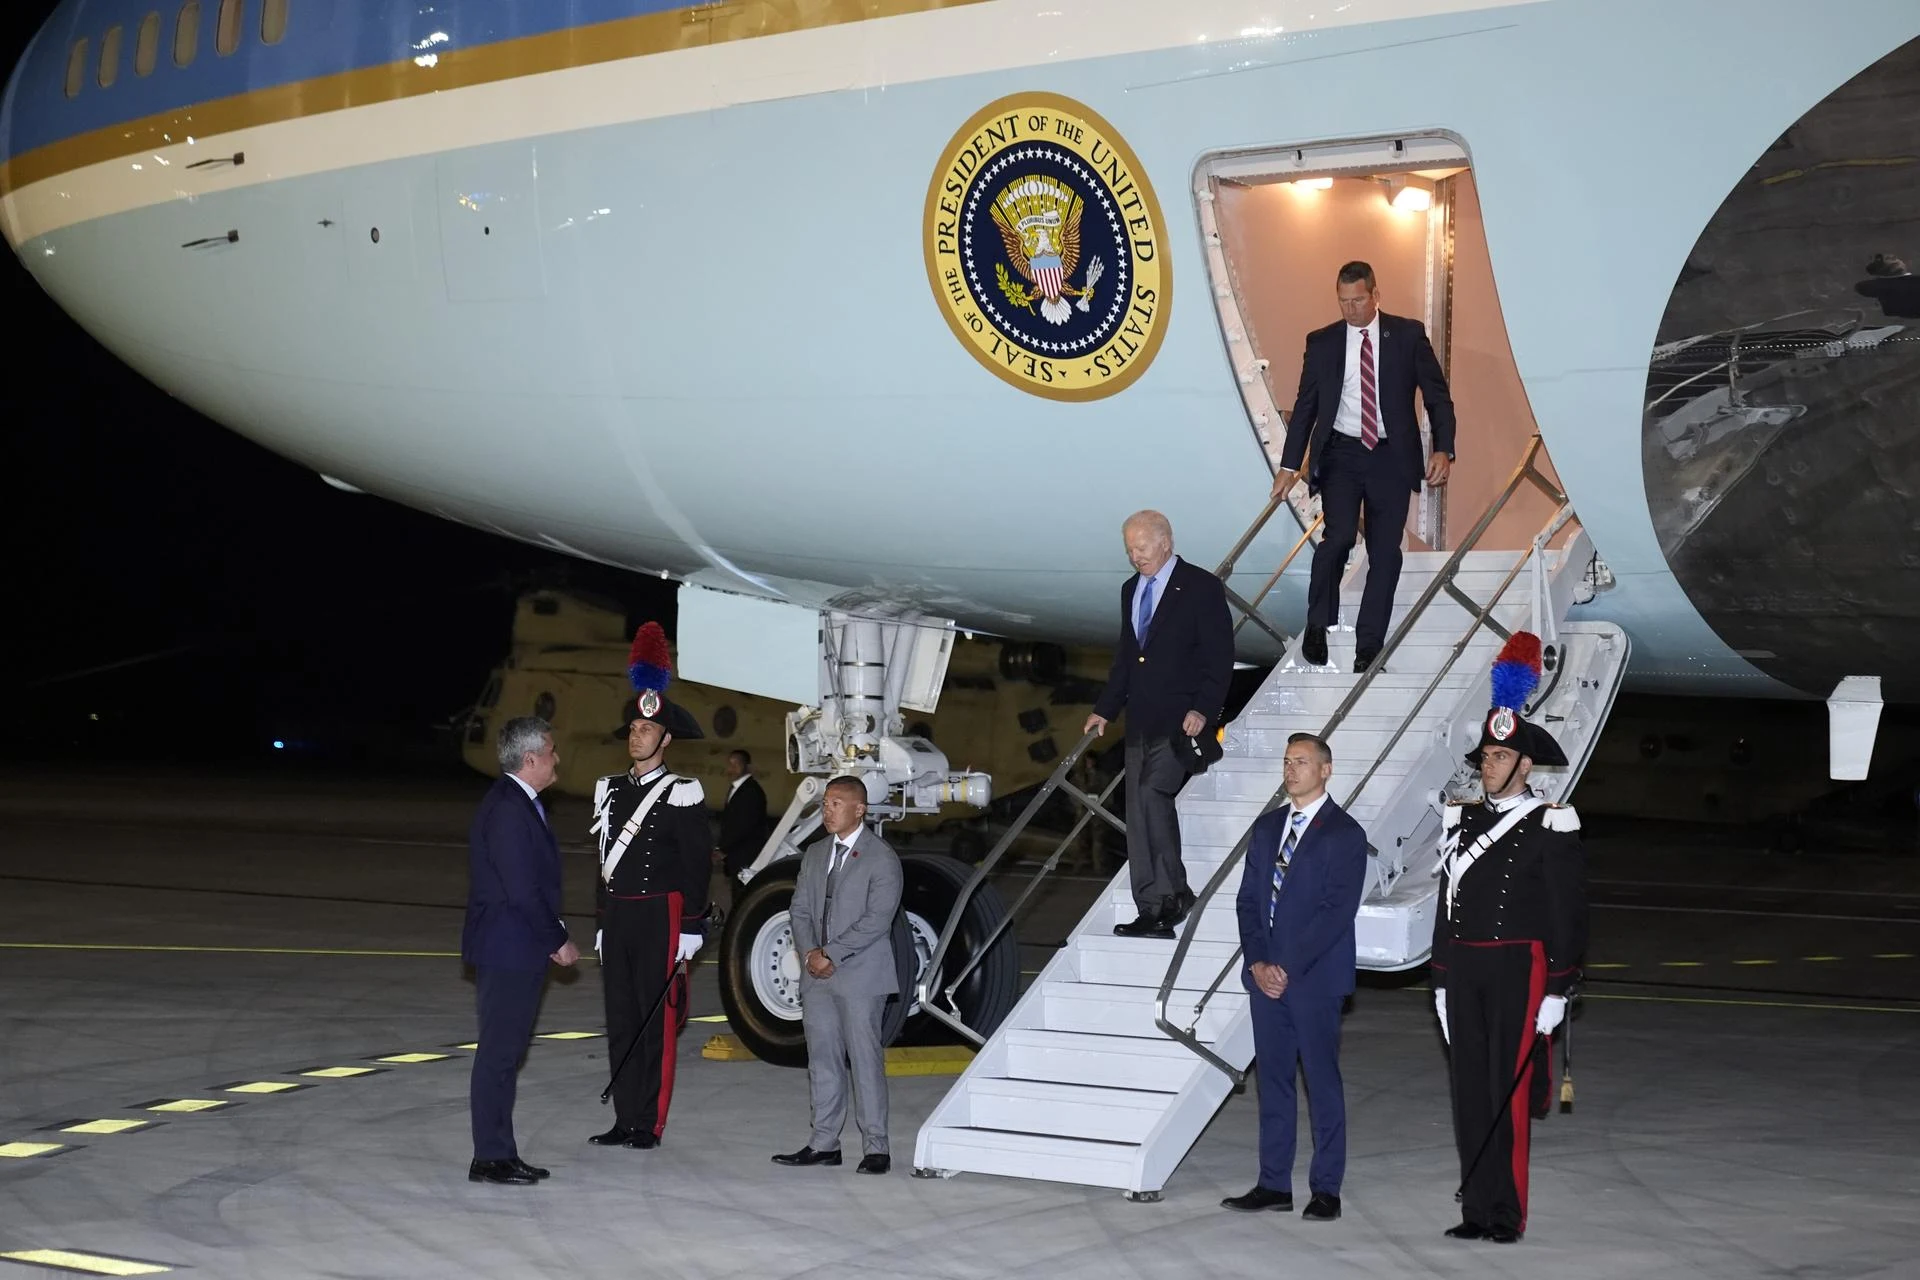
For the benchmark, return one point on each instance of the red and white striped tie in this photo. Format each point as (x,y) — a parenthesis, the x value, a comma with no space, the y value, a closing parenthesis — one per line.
(1369,399)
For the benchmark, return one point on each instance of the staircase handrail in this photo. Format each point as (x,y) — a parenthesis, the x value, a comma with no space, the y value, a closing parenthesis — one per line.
(1443,580)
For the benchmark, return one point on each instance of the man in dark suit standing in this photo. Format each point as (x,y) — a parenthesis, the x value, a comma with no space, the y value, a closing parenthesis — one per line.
(1306,868)
(743,819)
(513,930)
(1170,674)
(1354,418)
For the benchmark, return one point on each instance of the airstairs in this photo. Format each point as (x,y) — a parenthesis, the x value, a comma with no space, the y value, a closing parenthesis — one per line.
(1118,1055)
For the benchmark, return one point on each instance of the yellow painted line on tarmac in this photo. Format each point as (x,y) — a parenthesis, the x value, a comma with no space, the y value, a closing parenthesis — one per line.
(1757,1004)
(91,1264)
(414,1057)
(105,1126)
(567,1035)
(1893,955)
(263,1086)
(1750,962)
(340,1073)
(928,1060)
(28,1150)
(1607,966)
(469,1045)
(1819,958)
(189,1105)
(1680,964)
(225,951)
(709,1017)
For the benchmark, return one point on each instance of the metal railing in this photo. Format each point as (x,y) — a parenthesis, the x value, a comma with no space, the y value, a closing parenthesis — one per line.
(1482,617)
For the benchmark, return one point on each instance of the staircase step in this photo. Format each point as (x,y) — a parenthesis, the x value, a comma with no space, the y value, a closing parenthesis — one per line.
(1106,1010)
(1124,1062)
(1141,962)
(1082,1161)
(1065,1110)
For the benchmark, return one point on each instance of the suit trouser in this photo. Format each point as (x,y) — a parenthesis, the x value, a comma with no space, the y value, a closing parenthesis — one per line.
(639,937)
(1154,779)
(1493,996)
(1353,476)
(1300,1034)
(842,1032)
(509,1001)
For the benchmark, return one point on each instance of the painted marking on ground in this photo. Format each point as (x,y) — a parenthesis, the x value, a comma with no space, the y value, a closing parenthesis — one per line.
(567,1035)
(413,1057)
(87,1264)
(261,1086)
(187,1105)
(103,1126)
(224,951)
(338,1073)
(28,1150)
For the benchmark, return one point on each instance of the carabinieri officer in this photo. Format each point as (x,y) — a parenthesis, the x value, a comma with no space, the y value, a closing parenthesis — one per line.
(654,869)
(1506,949)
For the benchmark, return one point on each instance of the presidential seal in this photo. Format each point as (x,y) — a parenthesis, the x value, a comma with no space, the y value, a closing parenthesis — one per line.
(1046,250)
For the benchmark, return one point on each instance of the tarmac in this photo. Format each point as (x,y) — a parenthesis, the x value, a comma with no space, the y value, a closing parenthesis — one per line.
(167,942)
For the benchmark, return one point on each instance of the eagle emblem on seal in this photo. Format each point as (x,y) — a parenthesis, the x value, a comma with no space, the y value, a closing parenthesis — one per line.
(1039,223)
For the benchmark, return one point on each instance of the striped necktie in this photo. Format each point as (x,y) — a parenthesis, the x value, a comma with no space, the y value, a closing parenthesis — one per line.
(1295,825)
(1369,395)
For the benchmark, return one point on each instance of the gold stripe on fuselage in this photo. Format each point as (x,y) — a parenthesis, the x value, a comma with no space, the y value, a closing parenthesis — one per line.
(694,27)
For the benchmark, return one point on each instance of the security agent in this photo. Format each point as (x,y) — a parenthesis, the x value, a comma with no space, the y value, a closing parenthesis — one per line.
(513,930)
(654,847)
(1506,949)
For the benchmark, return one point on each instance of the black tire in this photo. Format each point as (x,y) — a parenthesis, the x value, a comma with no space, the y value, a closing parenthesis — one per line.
(768,1035)
(933,884)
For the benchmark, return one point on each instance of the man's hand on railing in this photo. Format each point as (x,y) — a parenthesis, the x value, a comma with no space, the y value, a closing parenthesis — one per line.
(1282,483)
(1270,978)
(1192,724)
(1438,465)
(1095,724)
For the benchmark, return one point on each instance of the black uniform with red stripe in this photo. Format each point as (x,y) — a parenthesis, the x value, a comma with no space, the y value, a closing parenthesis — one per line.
(1512,928)
(657,890)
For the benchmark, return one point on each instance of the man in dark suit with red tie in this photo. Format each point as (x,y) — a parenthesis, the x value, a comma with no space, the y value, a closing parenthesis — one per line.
(1305,871)
(1354,419)
(1170,674)
(513,930)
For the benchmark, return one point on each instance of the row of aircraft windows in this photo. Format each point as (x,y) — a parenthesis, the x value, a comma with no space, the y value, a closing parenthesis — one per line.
(228,25)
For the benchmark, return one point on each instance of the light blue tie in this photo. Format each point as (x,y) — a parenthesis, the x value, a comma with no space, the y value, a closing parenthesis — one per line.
(1145,610)
(541,810)
(1294,826)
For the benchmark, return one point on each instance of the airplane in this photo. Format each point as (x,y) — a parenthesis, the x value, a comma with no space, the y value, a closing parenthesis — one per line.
(867,323)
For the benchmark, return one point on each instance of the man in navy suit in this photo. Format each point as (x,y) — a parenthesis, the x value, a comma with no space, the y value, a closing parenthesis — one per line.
(1306,867)
(513,930)
(1355,409)
(1170,673)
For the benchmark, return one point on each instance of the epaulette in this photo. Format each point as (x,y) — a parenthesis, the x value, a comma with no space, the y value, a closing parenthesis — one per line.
(1559,817)
(1450,816)
(687,791)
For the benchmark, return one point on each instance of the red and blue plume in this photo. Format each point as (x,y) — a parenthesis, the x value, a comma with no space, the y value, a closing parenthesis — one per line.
(650,662)
(1516,670)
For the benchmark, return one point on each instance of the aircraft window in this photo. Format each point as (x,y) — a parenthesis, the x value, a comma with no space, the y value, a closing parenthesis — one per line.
(273,22)
(227,26)
(186,34)
(109,57)
(146,49)
(77,67)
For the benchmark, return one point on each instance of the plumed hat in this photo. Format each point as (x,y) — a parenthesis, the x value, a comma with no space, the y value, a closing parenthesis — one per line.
(650,670)
(1516,674)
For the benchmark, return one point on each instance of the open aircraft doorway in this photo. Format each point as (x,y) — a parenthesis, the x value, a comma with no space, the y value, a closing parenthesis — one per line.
(1279,222)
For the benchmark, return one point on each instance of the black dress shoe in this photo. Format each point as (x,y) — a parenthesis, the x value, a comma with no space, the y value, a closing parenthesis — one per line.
(1146,926)
(1260,1198)
(1322,1208)
(504,1172)
(1313,646)
(807,1155)
(614,1137)
(642,1139)
(1361,661)
(1178,906)
(1502,1235)
(1467,1231)
(877,1163)
(524,1167)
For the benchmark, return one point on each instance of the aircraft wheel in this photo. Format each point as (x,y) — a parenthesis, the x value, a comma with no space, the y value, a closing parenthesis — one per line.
(932,885)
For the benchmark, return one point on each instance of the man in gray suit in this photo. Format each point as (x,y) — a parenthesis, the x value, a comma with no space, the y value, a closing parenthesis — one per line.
(843,909)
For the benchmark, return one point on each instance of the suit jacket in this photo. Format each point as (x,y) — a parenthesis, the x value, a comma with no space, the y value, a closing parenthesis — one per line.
(857,929)
(1405,361)
(743,825)
(1312,932)
(513,884)
(1184,665)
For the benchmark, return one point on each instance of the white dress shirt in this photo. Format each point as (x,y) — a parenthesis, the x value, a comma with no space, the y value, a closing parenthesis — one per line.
(1347,421)
(1309,811)
(1159,581)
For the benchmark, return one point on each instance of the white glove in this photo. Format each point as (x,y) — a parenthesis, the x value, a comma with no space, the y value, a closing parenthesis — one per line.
(1552,1009)
(596,943)
(689,944)
(1440,1008)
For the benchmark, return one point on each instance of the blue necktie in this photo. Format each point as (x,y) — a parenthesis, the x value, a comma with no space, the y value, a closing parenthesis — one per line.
(1295,825)
(1145,611)
(541,810)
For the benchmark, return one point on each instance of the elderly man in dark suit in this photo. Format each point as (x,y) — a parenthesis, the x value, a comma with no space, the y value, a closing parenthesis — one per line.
(1354,419)
(513,931)
(1306,868)
(1170,674)
(843,909)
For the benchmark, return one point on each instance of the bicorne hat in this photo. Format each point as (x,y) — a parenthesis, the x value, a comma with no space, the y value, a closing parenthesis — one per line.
(1516,674)
(650,670)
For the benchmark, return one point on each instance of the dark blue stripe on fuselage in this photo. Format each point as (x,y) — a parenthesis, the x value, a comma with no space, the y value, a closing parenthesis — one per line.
(323,37)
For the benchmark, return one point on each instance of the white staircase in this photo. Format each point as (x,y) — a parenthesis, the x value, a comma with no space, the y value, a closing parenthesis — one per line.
(1079,1084)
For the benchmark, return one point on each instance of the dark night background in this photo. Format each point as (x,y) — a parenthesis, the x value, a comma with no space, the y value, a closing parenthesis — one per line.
(347,626)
